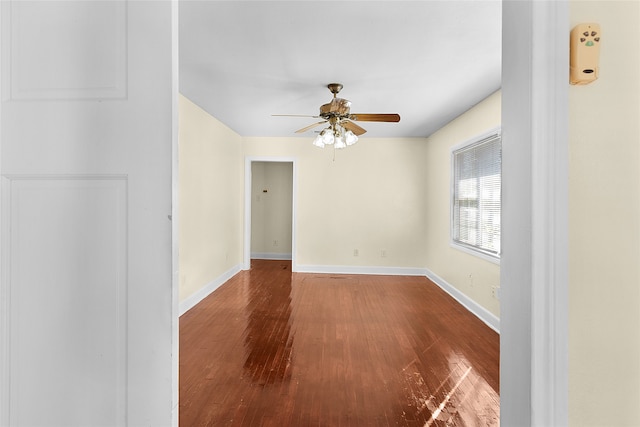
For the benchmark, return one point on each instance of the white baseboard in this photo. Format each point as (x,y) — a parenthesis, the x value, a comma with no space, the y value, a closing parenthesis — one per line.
(204,292)
(480,312)
(353,269)
(270,255)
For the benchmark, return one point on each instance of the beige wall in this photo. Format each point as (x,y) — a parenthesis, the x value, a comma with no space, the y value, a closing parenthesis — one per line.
(210,197)
(470,274)
(271,211)
(604,224)
(369,198)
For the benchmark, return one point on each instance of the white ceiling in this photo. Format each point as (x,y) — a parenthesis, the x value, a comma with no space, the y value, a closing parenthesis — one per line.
(429,61)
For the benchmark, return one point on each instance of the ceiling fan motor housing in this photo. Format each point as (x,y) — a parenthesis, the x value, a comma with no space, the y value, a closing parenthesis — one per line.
(337,107)
(338,112)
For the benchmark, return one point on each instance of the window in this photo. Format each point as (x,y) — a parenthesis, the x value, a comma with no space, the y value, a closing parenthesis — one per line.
(476,195)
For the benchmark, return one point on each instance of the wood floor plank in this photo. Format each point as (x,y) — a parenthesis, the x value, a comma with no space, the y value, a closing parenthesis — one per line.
(276,348)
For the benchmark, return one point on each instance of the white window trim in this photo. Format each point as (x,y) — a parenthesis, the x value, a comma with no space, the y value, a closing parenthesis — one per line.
(475,252)
(469,249)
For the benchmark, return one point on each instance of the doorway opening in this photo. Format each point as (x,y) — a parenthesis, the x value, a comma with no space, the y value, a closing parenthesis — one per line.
(269,225)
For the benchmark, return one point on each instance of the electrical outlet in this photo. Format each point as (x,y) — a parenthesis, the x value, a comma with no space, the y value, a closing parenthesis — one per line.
(355,252)
(275,243)
(495,292)
(383,253)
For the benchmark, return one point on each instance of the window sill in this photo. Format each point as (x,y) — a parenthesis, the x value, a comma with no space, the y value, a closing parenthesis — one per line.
(491,258)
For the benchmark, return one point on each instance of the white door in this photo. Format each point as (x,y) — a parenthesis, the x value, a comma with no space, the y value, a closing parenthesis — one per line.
(85,162)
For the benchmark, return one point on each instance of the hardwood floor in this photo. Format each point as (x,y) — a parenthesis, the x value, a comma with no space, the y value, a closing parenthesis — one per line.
(275,348)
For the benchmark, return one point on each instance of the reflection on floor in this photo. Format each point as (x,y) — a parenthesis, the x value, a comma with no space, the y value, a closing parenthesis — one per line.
(275,348)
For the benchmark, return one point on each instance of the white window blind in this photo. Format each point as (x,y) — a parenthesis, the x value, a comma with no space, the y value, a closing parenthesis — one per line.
(476,195)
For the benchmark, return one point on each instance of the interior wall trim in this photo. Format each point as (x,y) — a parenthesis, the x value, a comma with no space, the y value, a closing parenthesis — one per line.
(490,319)
(270,255)
(206,290)
(356,269)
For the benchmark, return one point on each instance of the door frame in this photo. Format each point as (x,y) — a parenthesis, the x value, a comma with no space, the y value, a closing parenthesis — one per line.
(175,229)
(246,265)
(534,278)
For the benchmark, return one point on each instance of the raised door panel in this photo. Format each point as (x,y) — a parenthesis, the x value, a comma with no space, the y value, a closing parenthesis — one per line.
(79,49)
(67,303)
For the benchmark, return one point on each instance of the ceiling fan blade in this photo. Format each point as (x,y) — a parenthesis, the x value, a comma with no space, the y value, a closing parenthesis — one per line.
(310,126)
(375,117)
(349,125)
(294,115)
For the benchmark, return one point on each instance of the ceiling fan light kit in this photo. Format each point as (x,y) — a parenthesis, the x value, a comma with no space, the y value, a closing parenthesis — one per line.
(342,131)
(335,135)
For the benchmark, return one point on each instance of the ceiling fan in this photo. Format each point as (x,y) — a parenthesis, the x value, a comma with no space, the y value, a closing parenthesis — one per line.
(337,114)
